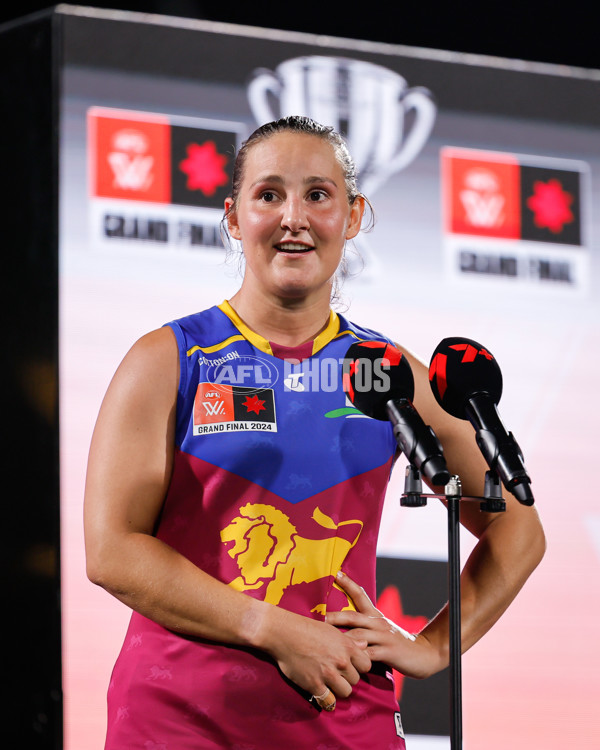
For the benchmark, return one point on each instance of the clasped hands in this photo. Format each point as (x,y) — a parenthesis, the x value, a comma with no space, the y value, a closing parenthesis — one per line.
(412,655)
(327,658)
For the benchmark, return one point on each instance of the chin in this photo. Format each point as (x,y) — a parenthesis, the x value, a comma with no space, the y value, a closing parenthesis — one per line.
(291,285)
(294,292)
(301,287)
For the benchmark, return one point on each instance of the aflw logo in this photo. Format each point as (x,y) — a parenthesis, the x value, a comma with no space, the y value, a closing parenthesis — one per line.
(213,408)
(131,173)
(228,408)
(481,200)
(130,163)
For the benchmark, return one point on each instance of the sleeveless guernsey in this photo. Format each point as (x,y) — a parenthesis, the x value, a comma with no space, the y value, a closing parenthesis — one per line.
(278,482)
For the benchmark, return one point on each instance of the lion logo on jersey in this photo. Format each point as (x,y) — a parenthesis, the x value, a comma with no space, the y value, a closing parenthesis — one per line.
(269,551)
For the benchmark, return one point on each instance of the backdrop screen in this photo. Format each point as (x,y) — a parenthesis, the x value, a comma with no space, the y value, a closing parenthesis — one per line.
(484,178)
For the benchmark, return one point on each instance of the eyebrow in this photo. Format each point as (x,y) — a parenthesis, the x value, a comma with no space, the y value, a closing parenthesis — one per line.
(307,181)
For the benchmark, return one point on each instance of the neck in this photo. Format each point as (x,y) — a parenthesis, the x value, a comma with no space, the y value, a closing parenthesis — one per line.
(286,322)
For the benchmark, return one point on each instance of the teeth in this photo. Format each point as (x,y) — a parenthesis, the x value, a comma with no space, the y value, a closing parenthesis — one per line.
(293,247)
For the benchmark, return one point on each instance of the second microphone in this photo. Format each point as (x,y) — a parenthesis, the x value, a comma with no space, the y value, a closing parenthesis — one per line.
(378,380)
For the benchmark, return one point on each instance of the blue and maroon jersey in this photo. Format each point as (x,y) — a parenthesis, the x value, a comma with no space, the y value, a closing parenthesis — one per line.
(278,482)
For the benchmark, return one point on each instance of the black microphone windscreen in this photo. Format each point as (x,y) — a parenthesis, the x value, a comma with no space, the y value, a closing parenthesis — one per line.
(376,372)
(461,368)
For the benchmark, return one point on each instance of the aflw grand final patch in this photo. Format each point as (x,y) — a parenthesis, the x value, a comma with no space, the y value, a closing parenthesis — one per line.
(233,408)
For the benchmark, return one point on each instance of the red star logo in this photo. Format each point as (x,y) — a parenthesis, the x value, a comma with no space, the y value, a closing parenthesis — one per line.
(254,404)
(204,167)
(389,604)
(550,205)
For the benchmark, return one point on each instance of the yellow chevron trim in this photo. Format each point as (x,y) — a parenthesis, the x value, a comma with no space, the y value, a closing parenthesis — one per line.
(254,338)
(328,334)
(215,347)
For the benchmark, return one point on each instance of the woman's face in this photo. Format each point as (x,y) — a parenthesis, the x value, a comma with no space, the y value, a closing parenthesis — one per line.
(293,216)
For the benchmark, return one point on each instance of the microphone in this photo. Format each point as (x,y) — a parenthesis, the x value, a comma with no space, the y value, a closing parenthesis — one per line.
(378,380)
(466,381)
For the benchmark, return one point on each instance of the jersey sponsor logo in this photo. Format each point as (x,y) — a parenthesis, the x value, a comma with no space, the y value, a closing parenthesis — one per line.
(270,553)
(253,373)
(349,410)
(293,382)
(227,408)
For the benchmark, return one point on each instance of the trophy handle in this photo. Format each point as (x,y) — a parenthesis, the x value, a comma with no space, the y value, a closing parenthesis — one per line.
(263,82)
(420,99)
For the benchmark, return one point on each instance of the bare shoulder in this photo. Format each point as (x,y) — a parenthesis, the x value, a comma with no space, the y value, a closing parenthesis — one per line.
(141,398)
(151,366)
(131,452)
(156,350)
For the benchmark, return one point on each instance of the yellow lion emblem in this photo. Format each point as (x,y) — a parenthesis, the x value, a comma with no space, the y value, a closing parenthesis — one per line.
(268,550)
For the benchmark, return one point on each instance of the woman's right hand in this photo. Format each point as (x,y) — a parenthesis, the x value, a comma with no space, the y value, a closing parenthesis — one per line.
(312,654)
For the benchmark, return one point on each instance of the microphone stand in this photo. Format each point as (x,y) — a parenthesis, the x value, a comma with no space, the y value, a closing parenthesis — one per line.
(492,502)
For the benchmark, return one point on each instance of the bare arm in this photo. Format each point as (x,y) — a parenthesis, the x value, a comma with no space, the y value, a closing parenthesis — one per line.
(510,545)
(129,470)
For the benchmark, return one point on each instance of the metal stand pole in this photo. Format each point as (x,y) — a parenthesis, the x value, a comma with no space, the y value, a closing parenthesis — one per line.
(492,502)
(453,495)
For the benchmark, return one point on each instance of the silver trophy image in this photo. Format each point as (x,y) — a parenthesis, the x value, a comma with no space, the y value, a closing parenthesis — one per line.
(366,103)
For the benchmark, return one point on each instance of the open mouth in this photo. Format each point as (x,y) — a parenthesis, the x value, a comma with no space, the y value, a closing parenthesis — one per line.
(293,247)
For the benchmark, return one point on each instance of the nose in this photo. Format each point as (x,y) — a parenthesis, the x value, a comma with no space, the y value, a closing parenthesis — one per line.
(294,217)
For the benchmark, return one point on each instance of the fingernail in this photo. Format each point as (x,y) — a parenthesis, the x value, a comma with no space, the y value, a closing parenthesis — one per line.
(339,574)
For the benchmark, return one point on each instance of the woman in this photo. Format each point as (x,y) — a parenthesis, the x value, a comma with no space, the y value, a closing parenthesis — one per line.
(220,508)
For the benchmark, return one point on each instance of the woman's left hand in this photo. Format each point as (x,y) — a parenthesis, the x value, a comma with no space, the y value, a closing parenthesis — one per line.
(412,655)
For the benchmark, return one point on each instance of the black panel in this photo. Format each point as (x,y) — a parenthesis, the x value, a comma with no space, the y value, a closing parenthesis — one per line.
(201,166)
(196,54)
(423,589)
(31,663)
(550,205)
